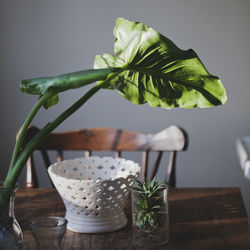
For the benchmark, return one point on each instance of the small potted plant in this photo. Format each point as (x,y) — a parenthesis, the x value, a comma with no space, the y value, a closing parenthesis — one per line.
(150,213)
(147,68)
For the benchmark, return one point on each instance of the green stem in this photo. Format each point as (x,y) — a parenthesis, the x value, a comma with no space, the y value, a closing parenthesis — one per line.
(26,124)
(23,157)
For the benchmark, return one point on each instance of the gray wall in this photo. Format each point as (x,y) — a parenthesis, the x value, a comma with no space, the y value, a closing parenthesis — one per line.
(42,38)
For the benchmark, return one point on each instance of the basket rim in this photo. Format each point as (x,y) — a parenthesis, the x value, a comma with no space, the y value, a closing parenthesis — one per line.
(136,166)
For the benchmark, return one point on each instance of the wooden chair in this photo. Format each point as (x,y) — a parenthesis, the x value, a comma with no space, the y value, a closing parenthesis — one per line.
(171,139)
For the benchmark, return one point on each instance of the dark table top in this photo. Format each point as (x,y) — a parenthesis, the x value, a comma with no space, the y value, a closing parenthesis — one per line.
(200,218)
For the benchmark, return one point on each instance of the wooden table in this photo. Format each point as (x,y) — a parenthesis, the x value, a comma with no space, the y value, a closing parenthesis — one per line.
(200,218)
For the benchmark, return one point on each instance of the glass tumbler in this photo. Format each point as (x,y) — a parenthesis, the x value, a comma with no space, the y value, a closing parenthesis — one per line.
(48,232)
(150,218)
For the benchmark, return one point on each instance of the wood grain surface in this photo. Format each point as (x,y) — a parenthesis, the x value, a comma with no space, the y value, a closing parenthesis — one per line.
(200,218)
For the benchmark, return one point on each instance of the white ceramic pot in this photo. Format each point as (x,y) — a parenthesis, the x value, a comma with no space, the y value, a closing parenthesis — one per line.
(94,191)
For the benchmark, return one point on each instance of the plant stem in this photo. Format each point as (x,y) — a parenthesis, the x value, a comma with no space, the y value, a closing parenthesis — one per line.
(23,157)
(26,124)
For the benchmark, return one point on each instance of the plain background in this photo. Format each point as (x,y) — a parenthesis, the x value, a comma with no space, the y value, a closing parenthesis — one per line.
(51,37)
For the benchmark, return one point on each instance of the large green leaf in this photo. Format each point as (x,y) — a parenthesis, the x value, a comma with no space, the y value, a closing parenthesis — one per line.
(57,84)
(156,71)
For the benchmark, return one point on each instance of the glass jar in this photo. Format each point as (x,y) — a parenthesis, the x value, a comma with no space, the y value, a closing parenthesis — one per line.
(150,218)
(11,236)
(48,232)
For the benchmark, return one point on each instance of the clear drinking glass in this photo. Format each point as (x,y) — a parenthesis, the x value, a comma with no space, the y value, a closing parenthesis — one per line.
(48,232)
(150,218)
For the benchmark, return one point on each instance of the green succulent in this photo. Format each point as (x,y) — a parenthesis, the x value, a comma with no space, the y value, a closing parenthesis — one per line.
(149,205)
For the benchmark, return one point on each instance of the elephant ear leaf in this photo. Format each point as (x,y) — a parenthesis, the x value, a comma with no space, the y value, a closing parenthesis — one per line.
(154,70)
(56,84)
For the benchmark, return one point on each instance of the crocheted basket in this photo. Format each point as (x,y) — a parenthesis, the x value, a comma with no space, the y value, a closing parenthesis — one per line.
(94,191)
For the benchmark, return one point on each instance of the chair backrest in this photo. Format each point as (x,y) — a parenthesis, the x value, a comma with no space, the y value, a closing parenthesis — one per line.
(171,139)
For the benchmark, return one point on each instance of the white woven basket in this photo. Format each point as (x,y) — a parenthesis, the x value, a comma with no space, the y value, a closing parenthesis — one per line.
(94,190)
